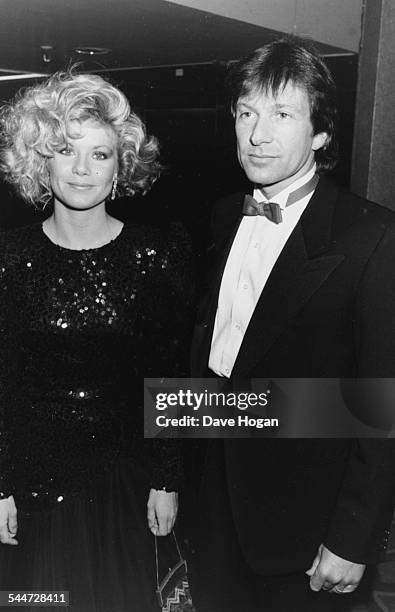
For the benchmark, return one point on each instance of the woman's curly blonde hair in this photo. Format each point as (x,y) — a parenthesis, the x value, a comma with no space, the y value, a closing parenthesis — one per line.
(35,125)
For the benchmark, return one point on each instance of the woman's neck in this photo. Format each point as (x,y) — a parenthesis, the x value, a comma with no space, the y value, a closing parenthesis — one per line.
(82,229)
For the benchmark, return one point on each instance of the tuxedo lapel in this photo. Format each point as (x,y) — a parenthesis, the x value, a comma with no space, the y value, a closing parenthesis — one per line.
(304,264)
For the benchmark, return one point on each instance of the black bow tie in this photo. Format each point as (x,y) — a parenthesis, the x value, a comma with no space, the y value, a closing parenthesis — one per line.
(272,210)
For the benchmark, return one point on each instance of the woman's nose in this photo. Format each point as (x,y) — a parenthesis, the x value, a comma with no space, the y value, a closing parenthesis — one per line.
(81,166)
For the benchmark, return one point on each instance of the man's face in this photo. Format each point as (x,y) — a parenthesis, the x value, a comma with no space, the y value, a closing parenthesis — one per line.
(275,140)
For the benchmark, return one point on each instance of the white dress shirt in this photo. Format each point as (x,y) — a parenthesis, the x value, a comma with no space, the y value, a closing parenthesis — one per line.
(255,249)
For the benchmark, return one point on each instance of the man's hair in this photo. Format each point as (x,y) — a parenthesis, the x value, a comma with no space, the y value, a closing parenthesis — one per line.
(291,59)
(38,122)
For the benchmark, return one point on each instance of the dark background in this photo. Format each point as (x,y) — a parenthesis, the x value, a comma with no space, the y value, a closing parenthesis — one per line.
(185,107)
(171,62)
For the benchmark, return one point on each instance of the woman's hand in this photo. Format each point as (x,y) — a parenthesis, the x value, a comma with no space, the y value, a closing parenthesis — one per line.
(162,511)
(8,521)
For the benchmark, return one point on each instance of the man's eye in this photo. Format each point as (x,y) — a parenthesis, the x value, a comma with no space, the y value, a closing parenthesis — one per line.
(283,115)
(100,155)
(245,114)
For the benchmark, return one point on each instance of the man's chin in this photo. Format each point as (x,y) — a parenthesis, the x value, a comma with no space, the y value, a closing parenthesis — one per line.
(258,174)
(259,178)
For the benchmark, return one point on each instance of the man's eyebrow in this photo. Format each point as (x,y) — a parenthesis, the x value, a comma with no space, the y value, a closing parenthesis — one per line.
(245,105)
(276,105)
(286,105)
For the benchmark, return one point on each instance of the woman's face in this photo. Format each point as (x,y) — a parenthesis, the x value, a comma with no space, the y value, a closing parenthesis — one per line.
(82,171)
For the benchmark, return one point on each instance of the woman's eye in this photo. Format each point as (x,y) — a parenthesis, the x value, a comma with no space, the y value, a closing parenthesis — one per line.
(283,115)
(65,151)
(100,155)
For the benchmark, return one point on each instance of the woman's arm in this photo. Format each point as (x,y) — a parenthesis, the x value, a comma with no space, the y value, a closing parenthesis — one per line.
(171,324)
(8,521)
(162,508)
(8,513)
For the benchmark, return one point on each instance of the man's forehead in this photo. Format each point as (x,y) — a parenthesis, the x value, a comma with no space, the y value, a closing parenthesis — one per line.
(287,93)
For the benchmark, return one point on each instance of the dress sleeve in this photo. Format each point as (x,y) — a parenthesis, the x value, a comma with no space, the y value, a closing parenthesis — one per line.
(172,324)
(167,471)
(5,362)
(173,297)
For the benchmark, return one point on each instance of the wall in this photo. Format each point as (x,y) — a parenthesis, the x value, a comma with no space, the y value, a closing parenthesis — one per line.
(382,175)
(373,174)
(334,22)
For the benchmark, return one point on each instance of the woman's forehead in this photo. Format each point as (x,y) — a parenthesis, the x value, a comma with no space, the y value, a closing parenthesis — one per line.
(91,129)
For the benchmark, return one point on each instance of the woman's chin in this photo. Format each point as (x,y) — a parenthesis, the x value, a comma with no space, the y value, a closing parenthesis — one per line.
(79,203)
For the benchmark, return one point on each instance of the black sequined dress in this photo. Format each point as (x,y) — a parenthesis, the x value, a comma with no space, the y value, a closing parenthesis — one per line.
(78,331)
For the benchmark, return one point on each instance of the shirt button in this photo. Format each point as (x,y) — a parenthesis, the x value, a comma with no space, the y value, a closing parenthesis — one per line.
(245,286)
(256,245)
(237,326)
(226,370)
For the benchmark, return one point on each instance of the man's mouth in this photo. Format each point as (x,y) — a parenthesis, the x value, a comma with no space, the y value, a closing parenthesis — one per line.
(255,156)
(260,160)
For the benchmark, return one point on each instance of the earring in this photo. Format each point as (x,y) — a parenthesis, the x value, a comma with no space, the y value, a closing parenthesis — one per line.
(114,188)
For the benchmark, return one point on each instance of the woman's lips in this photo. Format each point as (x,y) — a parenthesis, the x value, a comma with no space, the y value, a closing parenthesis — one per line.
(80,186)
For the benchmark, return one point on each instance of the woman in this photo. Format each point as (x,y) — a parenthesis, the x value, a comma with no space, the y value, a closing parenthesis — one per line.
(85,309)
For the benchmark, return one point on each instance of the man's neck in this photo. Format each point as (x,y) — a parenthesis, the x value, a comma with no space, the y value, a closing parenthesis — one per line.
(296,180)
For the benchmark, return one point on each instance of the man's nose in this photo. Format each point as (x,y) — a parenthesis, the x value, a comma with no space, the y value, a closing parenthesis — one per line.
(262,132)
(81,165)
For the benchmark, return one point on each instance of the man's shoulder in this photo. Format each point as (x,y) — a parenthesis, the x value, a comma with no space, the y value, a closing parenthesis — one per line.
(355,207)
(349,209)
(336,214)
(353,203)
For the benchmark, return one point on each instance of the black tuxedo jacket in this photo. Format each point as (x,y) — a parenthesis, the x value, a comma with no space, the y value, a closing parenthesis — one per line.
(327,310)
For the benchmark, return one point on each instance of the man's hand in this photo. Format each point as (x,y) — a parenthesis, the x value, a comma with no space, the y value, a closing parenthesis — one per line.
(8,521)
(334,574)
(162,511)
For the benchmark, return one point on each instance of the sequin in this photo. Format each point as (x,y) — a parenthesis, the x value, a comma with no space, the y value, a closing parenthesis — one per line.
(79,329)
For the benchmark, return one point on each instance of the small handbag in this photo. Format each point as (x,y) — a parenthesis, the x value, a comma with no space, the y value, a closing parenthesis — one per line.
(172,591)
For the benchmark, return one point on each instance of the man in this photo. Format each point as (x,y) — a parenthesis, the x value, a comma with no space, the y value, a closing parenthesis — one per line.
(302,286)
